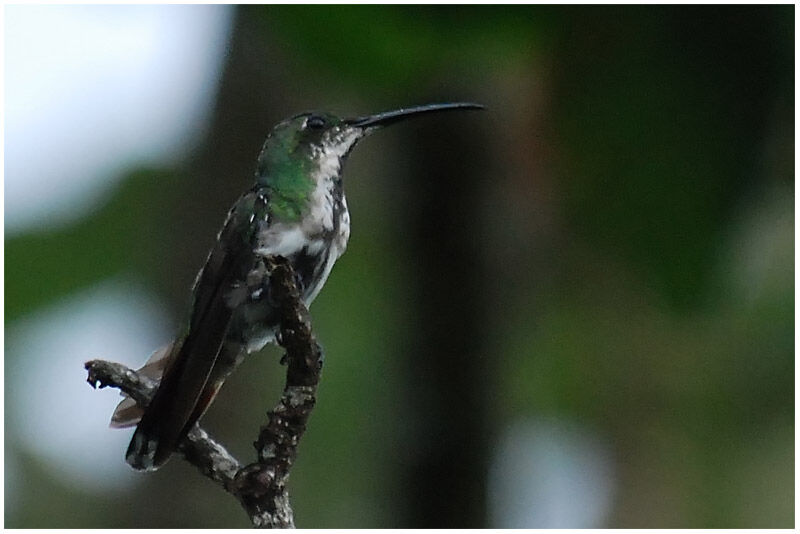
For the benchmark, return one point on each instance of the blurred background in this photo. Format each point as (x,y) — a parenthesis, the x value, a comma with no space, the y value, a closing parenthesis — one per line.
(574,309)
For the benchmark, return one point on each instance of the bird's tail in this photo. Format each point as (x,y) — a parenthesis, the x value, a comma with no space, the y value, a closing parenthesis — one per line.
(141,451)
(183,395)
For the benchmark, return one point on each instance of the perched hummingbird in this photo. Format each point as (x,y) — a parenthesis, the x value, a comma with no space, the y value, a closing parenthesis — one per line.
(296,209)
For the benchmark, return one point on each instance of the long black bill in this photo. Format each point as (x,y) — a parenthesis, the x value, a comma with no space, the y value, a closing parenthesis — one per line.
(389,117)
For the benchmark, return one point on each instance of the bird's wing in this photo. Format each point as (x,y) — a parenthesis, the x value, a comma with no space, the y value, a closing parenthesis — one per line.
(173,408)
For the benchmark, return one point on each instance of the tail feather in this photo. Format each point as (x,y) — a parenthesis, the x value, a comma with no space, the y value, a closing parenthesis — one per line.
(128,413)
(144,452)
(141,454)
(174,407)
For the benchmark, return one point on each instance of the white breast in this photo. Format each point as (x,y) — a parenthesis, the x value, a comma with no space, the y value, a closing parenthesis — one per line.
(281,239)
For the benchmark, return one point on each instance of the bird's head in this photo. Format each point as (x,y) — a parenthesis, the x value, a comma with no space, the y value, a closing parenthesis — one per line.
(308,149)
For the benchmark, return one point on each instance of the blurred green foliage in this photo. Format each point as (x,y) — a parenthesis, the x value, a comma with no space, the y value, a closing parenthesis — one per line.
(117,238)
(390,49)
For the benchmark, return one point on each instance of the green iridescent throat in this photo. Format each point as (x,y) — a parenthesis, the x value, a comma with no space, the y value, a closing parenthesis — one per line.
(287,176)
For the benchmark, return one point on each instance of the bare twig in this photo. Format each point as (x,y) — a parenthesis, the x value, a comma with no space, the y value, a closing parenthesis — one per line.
(260,486)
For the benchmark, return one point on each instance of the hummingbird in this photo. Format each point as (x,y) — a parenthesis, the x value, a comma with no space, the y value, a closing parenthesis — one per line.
(296,209)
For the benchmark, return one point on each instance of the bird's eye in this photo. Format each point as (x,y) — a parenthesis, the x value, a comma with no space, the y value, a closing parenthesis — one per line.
(315,122)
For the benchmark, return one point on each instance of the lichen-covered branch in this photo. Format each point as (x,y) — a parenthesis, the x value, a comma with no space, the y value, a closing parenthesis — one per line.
(261,485)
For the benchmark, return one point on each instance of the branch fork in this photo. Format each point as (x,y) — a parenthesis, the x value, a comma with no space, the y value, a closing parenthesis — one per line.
(260,486)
